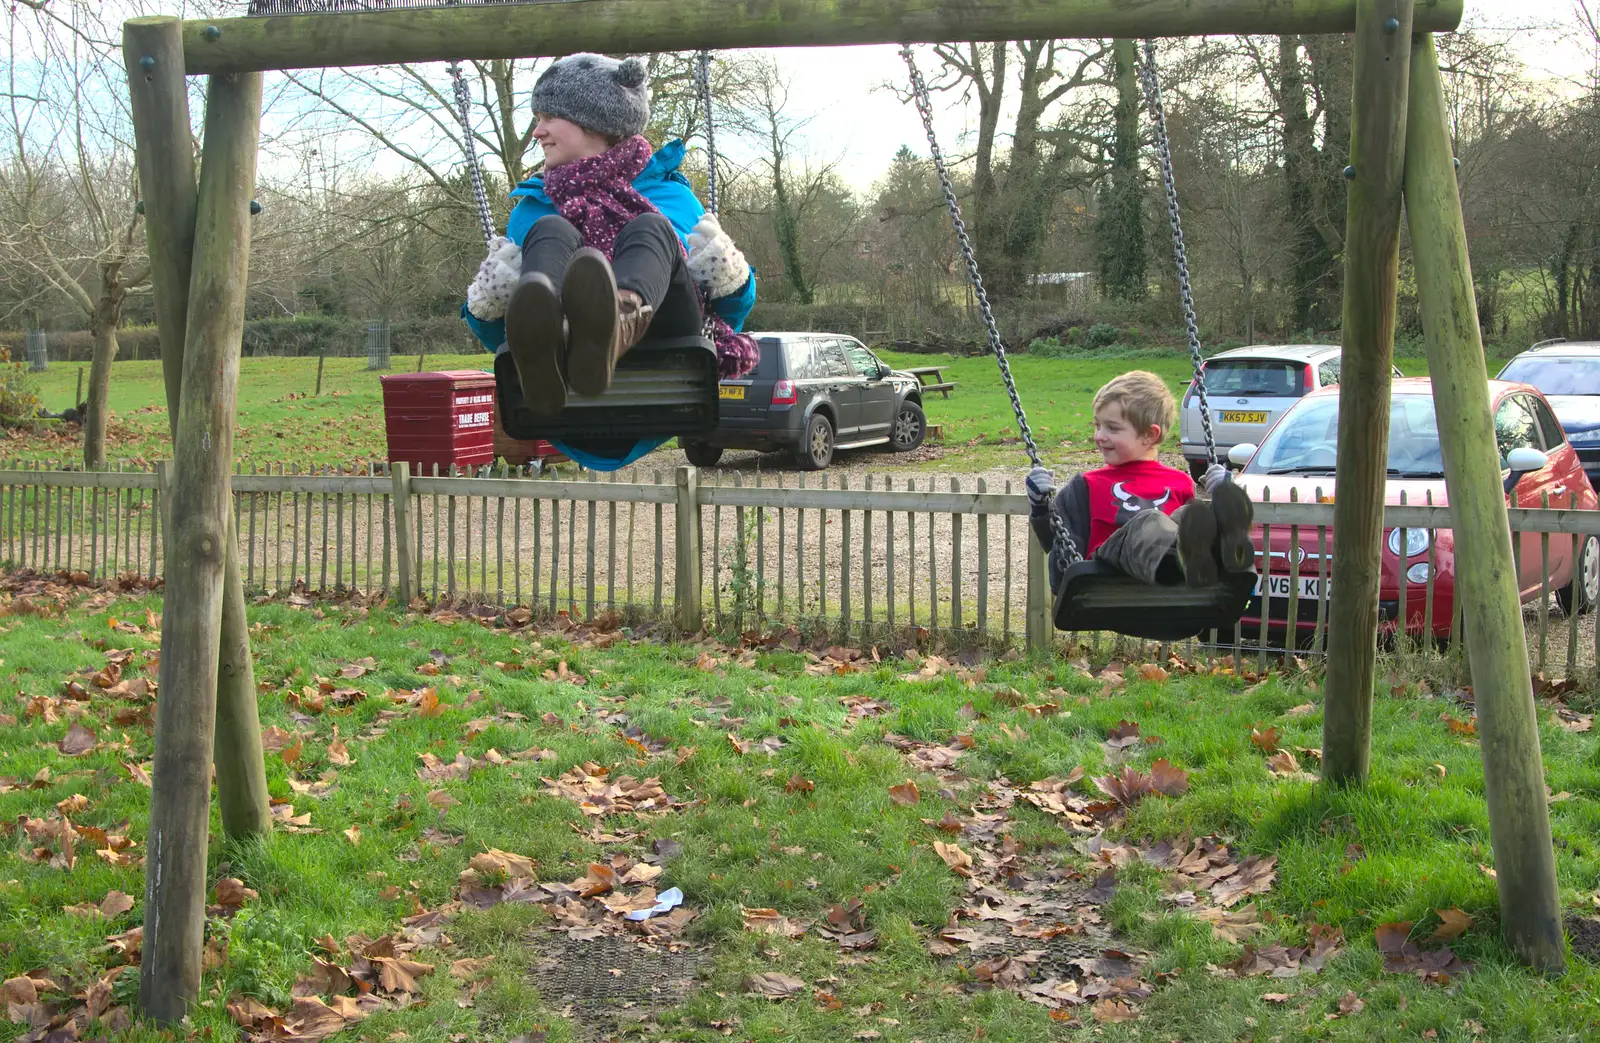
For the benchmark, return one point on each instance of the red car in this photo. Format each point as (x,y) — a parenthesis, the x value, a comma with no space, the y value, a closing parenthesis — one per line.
(1298,455)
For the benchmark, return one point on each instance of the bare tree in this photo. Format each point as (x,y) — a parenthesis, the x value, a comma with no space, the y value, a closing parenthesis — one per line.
(68,185)
(1061,139)
(802,189)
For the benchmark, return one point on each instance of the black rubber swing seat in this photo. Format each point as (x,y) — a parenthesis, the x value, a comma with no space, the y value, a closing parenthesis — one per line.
(663,387)
(1095,596)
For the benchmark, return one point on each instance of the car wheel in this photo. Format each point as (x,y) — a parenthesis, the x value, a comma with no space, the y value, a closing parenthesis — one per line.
(701,455)
(910,427)
(1197,468)
(1585,586)
(815,451)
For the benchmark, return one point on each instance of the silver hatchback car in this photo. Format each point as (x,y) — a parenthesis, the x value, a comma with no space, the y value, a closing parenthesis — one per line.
(1249,388)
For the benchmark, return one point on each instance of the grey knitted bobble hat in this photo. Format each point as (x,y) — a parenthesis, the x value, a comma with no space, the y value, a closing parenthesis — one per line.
(601,94)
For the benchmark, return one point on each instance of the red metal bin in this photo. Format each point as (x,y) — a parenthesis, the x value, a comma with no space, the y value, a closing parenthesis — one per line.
(441,418)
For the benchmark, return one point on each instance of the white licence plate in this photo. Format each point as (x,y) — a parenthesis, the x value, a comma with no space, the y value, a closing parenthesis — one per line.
(1310,586)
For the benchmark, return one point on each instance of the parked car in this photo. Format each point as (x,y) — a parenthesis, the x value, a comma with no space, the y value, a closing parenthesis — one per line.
(1249,388)
(1298,456)
(813,394)
(1568,375)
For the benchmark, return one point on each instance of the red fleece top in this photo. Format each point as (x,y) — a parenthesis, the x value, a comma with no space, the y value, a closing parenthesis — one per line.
(1117,493)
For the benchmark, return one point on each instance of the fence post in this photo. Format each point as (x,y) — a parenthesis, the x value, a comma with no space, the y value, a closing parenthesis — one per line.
(686,593)
(1038,623)
(400,477)
(164,507)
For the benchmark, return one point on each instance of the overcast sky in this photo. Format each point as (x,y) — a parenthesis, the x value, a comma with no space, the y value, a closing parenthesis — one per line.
(858,122)
(861,124)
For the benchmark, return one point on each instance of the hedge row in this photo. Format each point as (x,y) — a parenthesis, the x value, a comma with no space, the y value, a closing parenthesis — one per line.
(308,336)
(441,335)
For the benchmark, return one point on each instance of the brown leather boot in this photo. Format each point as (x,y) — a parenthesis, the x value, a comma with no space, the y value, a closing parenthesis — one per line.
(603,323)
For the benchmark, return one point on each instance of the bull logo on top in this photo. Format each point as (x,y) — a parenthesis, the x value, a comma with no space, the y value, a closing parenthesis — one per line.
(1130,504)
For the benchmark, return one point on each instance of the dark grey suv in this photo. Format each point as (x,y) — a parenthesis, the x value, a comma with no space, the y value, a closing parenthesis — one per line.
(811,394)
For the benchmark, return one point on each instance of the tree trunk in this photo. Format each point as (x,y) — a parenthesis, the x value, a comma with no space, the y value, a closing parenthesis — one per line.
(94,423)
(1299,168)
(786,226)
(1120,222)
(985,189)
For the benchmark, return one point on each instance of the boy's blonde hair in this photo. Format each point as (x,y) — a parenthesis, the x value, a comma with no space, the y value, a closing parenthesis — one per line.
(1144,398)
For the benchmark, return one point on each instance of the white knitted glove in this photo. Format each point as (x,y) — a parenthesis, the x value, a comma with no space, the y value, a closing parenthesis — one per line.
(714,262)
(497,277)
(1216,474)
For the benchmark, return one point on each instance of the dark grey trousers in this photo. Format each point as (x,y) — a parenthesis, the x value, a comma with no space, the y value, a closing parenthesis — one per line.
(1146,547)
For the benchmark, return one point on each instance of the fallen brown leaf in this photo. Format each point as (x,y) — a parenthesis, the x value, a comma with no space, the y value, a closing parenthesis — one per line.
(773,986)
(905,794)
(957,859)
(77,742)
(1454,923)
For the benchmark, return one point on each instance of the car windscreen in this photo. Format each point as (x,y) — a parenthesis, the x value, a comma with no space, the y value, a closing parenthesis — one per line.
(1556,375)
(1268,378)
(1305,440)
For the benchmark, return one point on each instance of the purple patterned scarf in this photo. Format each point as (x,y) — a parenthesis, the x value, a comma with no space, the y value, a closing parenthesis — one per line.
(597,196)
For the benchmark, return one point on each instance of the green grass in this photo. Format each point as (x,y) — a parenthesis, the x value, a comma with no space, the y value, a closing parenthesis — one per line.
(748,842)
(344,426)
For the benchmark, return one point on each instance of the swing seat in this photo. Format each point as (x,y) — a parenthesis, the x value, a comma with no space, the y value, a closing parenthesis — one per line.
(1095,596)
(662,388)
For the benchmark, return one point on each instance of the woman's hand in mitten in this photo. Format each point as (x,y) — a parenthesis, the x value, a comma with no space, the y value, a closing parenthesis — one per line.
(714,262)
(497,277)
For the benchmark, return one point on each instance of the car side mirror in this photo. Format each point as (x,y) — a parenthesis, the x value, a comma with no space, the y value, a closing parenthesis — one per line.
(884,370)
(1524,461)
(1240,454)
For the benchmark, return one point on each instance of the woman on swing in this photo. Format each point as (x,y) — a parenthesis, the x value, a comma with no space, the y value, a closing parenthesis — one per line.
(604,249)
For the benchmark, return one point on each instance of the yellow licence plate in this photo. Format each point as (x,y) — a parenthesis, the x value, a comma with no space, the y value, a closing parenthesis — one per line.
(1235,417)
(730,391)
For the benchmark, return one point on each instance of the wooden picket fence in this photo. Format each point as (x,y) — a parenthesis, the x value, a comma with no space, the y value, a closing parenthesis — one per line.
(724,550)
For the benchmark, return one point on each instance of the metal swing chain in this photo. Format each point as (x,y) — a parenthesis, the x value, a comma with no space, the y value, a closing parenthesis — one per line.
(1063,543)
(464,115)
(702,84)
(702,89)
(1158,115)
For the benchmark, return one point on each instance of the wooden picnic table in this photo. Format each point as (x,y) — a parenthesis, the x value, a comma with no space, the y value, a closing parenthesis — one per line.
(922,373)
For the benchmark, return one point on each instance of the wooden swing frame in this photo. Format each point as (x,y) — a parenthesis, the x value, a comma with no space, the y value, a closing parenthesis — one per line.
(199,244)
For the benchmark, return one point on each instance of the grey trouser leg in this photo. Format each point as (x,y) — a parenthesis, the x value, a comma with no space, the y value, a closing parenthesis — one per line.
(1140,546)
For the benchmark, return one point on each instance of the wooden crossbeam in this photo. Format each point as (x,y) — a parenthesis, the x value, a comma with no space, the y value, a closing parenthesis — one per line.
(554,27)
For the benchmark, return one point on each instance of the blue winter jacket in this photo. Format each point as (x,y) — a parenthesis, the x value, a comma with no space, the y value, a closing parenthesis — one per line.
(669,191)
(660,183)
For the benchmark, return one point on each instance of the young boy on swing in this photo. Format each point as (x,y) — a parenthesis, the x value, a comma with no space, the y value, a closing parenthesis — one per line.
(1136,514)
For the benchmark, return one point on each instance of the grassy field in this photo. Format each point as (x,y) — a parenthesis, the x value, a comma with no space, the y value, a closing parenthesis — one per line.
(280,421)
(426,771)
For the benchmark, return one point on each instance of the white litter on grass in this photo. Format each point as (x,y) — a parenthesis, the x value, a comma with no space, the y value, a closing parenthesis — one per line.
(666,901)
